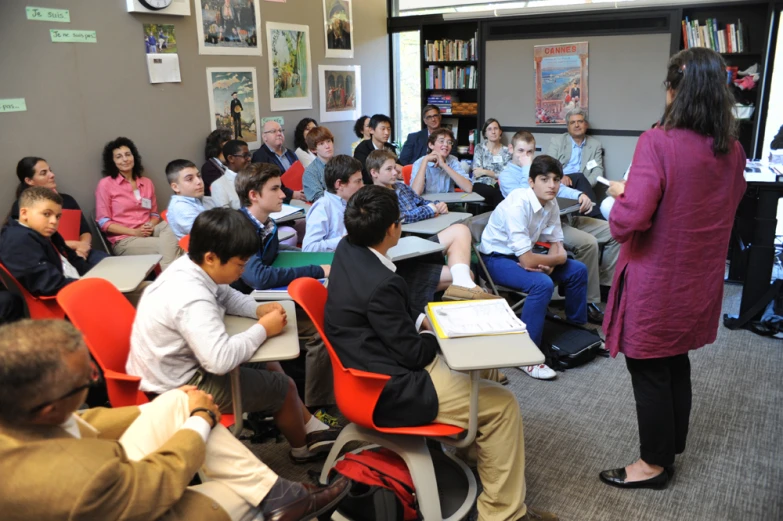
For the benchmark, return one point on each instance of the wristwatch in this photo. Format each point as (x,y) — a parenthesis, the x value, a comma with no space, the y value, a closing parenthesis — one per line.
(209,412)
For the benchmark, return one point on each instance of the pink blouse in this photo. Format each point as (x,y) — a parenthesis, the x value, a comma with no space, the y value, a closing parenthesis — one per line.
(115,203)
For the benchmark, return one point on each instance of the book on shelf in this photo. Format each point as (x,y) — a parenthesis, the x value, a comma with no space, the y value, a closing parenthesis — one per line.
(728,40)
(451,77)
(473,318)
(450,50)
(442,101)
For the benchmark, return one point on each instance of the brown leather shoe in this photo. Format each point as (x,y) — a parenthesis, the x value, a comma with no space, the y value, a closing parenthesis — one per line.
(318,501)
(538,515)
(462,293)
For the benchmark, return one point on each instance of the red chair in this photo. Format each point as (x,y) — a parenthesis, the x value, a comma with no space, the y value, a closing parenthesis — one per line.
(70,225)
(407,170)
(292,178)
(106,325)
(357,392)
(184,243)
(36,308)
(164,214)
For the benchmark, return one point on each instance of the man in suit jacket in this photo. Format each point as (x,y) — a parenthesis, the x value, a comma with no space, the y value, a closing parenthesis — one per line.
(371,326)
(416,144)
(127,463)
(274,151)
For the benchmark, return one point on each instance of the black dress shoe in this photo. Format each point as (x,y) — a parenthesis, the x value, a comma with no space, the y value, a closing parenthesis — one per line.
(594,314)
(318,501)
(616,478)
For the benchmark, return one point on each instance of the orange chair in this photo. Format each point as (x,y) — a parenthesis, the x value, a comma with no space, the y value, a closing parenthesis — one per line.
(292,178)
(106,325)
(407,170)
(164,214)
(357,392)
(70,225)
(184,243)
(36,308)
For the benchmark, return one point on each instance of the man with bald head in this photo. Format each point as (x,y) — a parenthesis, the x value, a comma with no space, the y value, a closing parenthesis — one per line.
(274,151)
(127,462)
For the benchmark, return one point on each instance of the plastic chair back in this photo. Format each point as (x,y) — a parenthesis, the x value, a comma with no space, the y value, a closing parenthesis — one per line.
(37,308)
(407,170)
(164,214)
(292,178)
(184,243)
(70,225)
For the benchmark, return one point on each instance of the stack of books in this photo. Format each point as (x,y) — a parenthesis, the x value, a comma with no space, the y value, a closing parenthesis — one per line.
(450,50)
(730,39)
(450,77)
(442,101)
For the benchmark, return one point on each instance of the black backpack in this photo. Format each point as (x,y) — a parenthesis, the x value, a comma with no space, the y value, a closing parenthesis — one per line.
(567,345)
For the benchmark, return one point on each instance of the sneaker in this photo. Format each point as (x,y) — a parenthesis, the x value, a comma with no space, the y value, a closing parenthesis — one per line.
(326,418)
(539,372)
(538,515)
(320,441)
(462,293)
(311,457)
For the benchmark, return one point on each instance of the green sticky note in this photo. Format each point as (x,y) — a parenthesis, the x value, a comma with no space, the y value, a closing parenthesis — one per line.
(13,105)
(44,14)
(298,259)
(278,119)
(73,36)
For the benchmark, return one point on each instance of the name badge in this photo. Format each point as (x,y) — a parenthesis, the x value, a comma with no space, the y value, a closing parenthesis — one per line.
(497,159)
(146,203)
(592,164)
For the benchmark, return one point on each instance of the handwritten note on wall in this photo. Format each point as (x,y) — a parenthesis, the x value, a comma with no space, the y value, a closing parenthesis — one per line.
(48,15)
(13,105)
(73,36)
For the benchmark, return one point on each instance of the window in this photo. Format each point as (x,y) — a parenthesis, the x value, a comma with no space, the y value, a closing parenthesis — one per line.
(407,84)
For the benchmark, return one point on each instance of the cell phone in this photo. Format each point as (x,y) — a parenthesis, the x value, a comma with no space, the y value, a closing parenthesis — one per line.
(603,180)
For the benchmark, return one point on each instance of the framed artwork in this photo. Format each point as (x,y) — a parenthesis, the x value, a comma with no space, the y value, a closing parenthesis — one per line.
(338,22)
(561,80)
(233,105)
(228,27)
(290,69)
(160,38)
(340,89)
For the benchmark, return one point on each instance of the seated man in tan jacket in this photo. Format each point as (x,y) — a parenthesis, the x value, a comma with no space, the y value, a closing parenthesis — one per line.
(128,463)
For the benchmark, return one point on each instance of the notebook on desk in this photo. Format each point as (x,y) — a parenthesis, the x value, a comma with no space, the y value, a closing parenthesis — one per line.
(280,293)
(297,259)
(473,318)
(285,212)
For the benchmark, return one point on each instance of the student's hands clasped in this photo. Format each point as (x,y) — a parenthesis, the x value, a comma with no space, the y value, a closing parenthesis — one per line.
(434,157)
(274,319)
(542,268)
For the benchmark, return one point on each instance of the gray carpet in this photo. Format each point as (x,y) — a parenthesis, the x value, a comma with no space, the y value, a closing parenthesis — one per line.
(585,422)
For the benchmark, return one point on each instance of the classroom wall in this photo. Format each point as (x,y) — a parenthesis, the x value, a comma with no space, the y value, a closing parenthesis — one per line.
(79,96)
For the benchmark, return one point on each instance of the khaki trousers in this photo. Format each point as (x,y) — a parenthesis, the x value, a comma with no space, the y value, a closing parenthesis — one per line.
(319,381)
(582,237)
(162,241)
(231,475)
(499,446)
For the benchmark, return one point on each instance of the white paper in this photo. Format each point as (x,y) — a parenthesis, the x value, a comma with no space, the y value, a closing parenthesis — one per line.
(285,212)
(163,68)
(487,317)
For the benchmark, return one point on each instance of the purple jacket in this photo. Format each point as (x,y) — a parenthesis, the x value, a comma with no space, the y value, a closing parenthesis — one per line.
(674,221)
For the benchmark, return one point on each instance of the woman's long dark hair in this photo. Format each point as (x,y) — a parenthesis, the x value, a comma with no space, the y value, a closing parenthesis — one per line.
(110,169)
(299,139)
(702,101)
(215,141)
(25,168)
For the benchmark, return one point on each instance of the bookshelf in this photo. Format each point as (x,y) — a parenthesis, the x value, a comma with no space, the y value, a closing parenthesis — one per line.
(450,67)
(743,51)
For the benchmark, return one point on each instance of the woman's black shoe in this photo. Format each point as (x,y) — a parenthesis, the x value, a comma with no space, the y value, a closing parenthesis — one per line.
(616,478)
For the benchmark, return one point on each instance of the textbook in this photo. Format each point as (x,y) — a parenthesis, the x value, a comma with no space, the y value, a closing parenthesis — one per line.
(285,212)
(473,318)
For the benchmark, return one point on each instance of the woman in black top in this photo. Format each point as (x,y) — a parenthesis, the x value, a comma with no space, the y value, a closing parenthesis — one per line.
(35,171)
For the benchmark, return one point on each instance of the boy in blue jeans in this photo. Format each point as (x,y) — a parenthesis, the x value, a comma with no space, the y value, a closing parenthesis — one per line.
(525,217)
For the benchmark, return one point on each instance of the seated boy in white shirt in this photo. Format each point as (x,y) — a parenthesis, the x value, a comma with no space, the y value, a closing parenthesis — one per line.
(455,278)
(526,216)
(188,200)
(439,171)
(179,337)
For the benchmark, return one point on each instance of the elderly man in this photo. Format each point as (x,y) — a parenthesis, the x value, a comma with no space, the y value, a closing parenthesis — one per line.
(416,144)
(274,151)
(127,462)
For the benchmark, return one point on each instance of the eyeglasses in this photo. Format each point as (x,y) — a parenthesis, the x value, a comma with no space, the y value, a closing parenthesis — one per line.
(432,116)
(444,142)
(401,220)
(94,376)
(276,131)
(246,156)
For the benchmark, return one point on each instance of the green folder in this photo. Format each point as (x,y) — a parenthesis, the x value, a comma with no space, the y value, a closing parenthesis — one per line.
(296,259)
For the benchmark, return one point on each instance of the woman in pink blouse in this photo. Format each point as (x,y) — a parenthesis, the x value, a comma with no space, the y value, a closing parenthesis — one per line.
(126,208)
(673,217)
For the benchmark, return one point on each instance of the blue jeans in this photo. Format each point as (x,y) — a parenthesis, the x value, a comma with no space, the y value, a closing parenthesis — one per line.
(506,271)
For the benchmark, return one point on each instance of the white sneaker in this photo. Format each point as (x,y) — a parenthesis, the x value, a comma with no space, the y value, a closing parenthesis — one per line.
(539,372)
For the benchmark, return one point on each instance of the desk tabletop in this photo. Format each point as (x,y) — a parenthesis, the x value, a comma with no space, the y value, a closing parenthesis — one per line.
(284,346)
(410,247)
(126,272)
(454,197)
(436,224)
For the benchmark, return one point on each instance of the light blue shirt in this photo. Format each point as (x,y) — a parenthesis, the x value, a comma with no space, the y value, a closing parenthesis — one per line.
(518,222)
(574,165)
(313,183)
(514,176)
(182,212)
(325,224)
(282,158)
(437,181)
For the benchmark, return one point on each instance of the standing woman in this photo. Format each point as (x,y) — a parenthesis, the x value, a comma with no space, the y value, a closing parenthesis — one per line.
(126,207)
(215,166)
(35,171)
(303,128)
(668,286)
(490,159)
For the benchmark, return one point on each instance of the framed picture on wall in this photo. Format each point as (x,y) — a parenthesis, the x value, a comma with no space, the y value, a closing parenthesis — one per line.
(233,102)
(290,69)
(230,27)
(340,89)
(561,80)
(338,22)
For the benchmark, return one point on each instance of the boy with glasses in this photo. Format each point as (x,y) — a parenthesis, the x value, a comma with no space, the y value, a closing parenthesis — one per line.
(439,171)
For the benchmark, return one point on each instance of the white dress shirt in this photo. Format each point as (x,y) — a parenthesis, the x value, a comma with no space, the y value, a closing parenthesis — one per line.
(518,222)
(223,191)
(179,328)
(325,224)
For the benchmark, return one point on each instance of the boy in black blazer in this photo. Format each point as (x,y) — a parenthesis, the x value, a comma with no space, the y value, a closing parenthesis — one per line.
(372,328)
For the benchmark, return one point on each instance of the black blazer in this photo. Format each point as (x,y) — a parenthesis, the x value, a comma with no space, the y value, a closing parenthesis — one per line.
(34,260)
(415,147)
(371,327)
(364,149)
